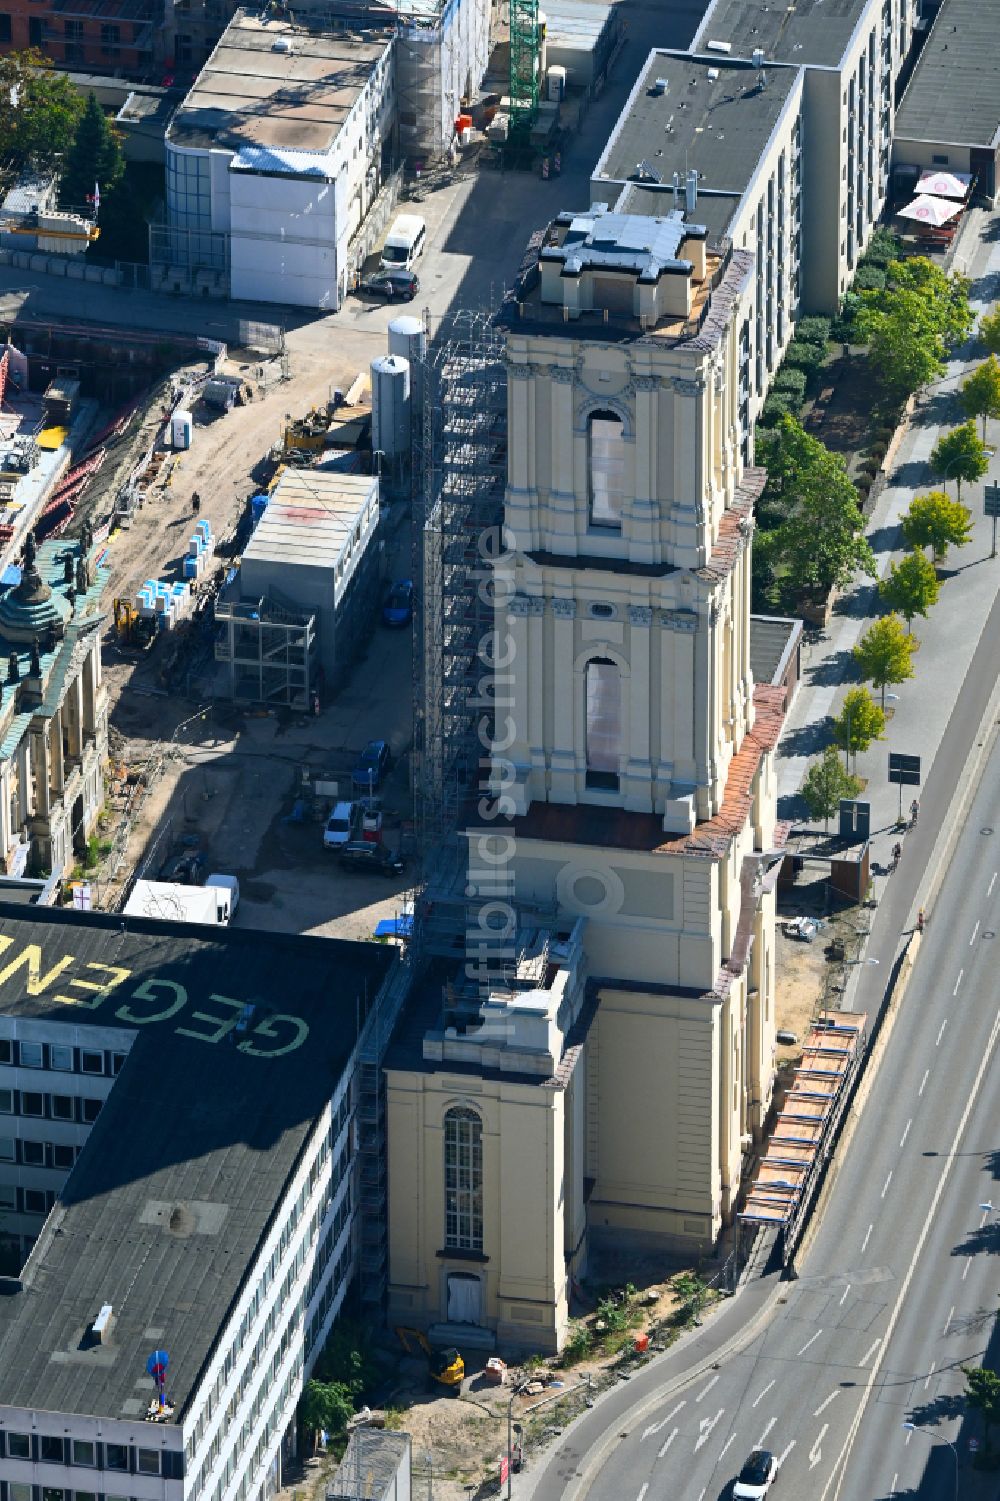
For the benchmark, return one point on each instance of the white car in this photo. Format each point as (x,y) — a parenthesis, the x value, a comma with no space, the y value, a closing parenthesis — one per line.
(755,1479)
(339,826)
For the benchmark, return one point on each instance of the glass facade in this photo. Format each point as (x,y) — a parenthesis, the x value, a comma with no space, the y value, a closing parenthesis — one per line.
(607,470)
(189,191)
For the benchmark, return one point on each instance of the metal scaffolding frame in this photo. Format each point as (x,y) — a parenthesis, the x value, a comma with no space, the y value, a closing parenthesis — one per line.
(460,468)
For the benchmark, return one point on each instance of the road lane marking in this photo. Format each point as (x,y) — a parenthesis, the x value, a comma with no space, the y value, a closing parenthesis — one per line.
(656,1427)
(941,1033)
(989,891)
(763,1394)
(835,1484)
(707,1389)
(811,1341)
(785,1453)
(923,1082)
(843,1296)
(730,1440)
(707,1424)
(870,1352)
(816,1453)
(947,1322)
(957,984)
(974,932)
(669,1440)
(760,1441)
(885,1185)
(930,1373)
(965,1271)
(825,1403)
(892,1488)
(645,1488)
(864,1244)
(902,1139)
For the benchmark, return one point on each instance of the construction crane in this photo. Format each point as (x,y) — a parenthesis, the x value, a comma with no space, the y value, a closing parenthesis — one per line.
(525,67)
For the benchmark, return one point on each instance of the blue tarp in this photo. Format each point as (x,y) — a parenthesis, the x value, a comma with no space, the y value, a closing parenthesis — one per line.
(395,927)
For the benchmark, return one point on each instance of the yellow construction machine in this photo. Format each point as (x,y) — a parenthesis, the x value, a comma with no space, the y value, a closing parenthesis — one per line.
(445,1368)
(133,629)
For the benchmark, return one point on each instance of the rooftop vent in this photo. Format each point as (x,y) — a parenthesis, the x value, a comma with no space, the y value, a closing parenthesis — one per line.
(757,57)
(660,86)
(712,74)
(646,172)
(101,1327)
(726,47)
(282,44)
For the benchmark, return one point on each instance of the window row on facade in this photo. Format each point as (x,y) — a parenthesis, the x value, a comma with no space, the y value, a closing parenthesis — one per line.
(60,1058)
(24,1153)
(126,1459)
(36,1105)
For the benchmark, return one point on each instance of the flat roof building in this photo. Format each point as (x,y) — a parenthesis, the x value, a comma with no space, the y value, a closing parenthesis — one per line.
(176,1121)
(949,115)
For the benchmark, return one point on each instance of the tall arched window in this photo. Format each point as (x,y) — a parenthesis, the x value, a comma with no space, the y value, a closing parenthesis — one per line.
(604,723)
(606,459)
(463,1180)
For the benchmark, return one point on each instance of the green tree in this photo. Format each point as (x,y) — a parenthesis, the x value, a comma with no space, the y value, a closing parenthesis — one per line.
(911,324)
(911,587)
(325,1405)
(859,722)
(94,157)
(39,111)
(825,784)
(983,1393)
(811,508)
(935,520)
(960,455)
(981,392)
(989,331)
(884,653)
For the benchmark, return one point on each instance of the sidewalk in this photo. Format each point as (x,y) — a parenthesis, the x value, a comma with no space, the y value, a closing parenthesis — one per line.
(949,636)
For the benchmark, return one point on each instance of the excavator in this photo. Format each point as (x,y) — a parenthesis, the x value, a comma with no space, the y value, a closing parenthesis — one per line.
(445,1368)
(134,630)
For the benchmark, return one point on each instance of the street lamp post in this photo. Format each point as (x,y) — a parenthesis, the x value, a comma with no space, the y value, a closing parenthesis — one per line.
(931,1438)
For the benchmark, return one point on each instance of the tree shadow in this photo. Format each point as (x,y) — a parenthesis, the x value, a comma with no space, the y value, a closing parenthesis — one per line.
(938,409)
(792,807)
(983,1238)
(941,1409)
(836,668)
(885,538)
(806,740)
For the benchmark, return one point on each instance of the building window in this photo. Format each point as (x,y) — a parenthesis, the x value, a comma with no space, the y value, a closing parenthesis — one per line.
(110,37)
(18,1492)
(8,1196)
(83,1452)
(606,460)
(6,1102)
(30,1054)
(36,31)
(18,1446)
(115,1457)
(52,1450)
(90,1110)
(6,1149)
(62,1107)
(33,1153)
(6,1052)
(463,1180)
(92,1063)
(147,1461)
(61,1058)
(32,1103)
(62,1156)
(53,1493)
(940,161)
(5,32)
(604,724)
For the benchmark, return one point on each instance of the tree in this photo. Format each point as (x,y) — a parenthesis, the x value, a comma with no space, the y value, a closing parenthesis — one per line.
(811,509)
(936,521)
(983,1393)
(39,111)
(884,653)
(825,784)
(911,324)
(960,455)
(981,392)
(989,331)
(325,1405)
(911,587)
(94,157)
(859,722)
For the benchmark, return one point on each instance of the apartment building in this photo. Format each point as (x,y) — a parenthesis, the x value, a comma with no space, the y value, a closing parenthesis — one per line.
(177,1173)
(105,36)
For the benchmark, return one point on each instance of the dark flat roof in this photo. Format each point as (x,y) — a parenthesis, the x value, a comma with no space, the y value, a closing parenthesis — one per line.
(953,95)
(808,31)
(717,127)
(187,1163)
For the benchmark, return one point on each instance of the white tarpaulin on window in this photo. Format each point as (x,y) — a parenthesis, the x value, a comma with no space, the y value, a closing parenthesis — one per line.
(465,1300)
(604,716)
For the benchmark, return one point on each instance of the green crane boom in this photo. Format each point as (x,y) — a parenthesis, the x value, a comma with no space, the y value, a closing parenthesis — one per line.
(525,61)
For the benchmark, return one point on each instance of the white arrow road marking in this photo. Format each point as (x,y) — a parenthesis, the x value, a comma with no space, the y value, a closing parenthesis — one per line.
(760,1441)
(669,1440)
(809,1342)
(762,1395)
(707,1389)
(816,1453)
(707,1424)
(826,1402)
(656,1427)
(864,1244)
(785,1453)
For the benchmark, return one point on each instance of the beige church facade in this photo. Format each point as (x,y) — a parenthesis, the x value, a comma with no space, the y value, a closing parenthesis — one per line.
(606,1086)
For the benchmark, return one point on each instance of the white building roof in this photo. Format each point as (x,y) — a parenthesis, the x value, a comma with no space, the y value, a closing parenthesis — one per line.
(314,519)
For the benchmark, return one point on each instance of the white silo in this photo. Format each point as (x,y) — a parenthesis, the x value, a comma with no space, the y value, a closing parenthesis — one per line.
(408,338)
(390,374)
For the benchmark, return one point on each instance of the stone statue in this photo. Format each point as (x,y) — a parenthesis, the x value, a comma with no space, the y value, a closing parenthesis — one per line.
(68,568)
(12,670)
(36,661)
(82,574)
(30,552)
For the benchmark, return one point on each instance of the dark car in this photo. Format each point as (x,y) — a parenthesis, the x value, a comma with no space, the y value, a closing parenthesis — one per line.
(394,286)
(398,608)
(365,856)
(372,766)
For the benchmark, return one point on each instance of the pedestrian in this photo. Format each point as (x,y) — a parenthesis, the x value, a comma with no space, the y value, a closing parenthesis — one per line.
(196,502)
(545,168)
(920,920)
(914,811)
(897,850)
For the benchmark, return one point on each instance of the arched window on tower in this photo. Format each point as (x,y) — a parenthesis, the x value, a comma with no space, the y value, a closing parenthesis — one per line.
(604,724)
(606,461)
(463,1180)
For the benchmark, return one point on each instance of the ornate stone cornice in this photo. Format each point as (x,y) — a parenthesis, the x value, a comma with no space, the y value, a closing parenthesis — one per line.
(564,609)
(520,372)
(647,383)
(640,615)
(687,387)
(561,375)
(679,620)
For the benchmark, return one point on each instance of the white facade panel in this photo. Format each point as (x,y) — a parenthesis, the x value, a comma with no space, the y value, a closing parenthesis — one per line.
(284,239)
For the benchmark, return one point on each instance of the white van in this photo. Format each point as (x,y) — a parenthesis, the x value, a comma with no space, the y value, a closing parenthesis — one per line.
(227,894)
(404,243)
(340,825)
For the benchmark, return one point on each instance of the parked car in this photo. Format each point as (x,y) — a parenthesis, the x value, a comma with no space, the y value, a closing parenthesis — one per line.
(398,608)
(372,766)
(339,826)
(394,286)
(754,1480)
(362,855)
